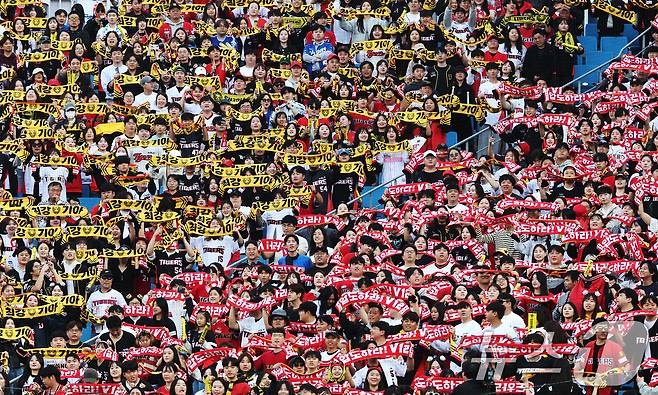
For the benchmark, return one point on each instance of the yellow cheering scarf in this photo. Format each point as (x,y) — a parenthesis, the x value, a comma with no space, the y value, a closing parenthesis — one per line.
(110,128)
(303,193)
(34,23)
(33,36)
(10,96)
(39,57)
(128,204)
(32,312)
(180,202)
(17,149)
(39,134)
(237,115)
(130,21)
(295,21)
(199,211)
(80,276)
(57,211)
(397,147)
(87,231)
(275,57)
(195,228)
(88,67)
(381,13)
(120,254)
(11,334)
(63,161)
(92,108)
(16,203)
(344,105)
(204,28)
(371,45)
(309,160)
(149,119)
(176,161)
(88,316)
(7,74)
(245,3)
(257,181)
(219,169)
(156,216)
(352,167)
(522,19)
(65,300)
(164,142)
(231,98)
(87,255)
(30,123)
(275,205)
(123,111)
(566,41)
(50,109)
(483,36)
(255,144)
(38,233)
(643,5)
(629,16)
(55,353)
(57,90)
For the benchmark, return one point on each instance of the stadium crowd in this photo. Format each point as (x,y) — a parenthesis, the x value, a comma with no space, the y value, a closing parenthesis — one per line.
(180,210)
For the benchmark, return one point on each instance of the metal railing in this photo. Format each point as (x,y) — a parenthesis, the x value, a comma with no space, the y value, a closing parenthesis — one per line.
(607,62)
(570,83)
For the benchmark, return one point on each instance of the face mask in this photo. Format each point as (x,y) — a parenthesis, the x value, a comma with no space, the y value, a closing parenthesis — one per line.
(70,114)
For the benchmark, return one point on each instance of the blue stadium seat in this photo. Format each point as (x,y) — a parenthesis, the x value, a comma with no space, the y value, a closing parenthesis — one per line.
(590,30)
(613,44)
(630,32)
(451,139)
(596,58)
(593,78)
(371,200)
(588,43)
(89,203)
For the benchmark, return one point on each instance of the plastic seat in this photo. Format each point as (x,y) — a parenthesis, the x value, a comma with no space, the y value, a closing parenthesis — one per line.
(596,58)
(613,44)
(629,32)
(451,138)
(588,43)
(582,69)
(89,203)
(590,30)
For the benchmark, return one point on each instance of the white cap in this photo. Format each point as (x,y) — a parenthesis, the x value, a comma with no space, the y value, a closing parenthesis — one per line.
(200,71)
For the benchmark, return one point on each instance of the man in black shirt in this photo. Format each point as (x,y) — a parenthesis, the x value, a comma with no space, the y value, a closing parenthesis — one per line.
(170,261)
(539,62)
(117,337)
(429,172)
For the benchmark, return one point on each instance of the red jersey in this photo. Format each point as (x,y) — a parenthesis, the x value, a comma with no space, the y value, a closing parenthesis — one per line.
(269,359)
(497,57)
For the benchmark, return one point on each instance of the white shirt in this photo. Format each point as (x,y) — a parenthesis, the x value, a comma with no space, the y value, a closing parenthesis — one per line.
(503,330)
(513,320)
(143,98)
(216,250)
(487,90)
(108,74)
(174,93)
(249,326)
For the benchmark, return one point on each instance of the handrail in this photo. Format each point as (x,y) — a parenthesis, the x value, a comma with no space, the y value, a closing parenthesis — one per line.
(486,128)
(621,51)
(624,48)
